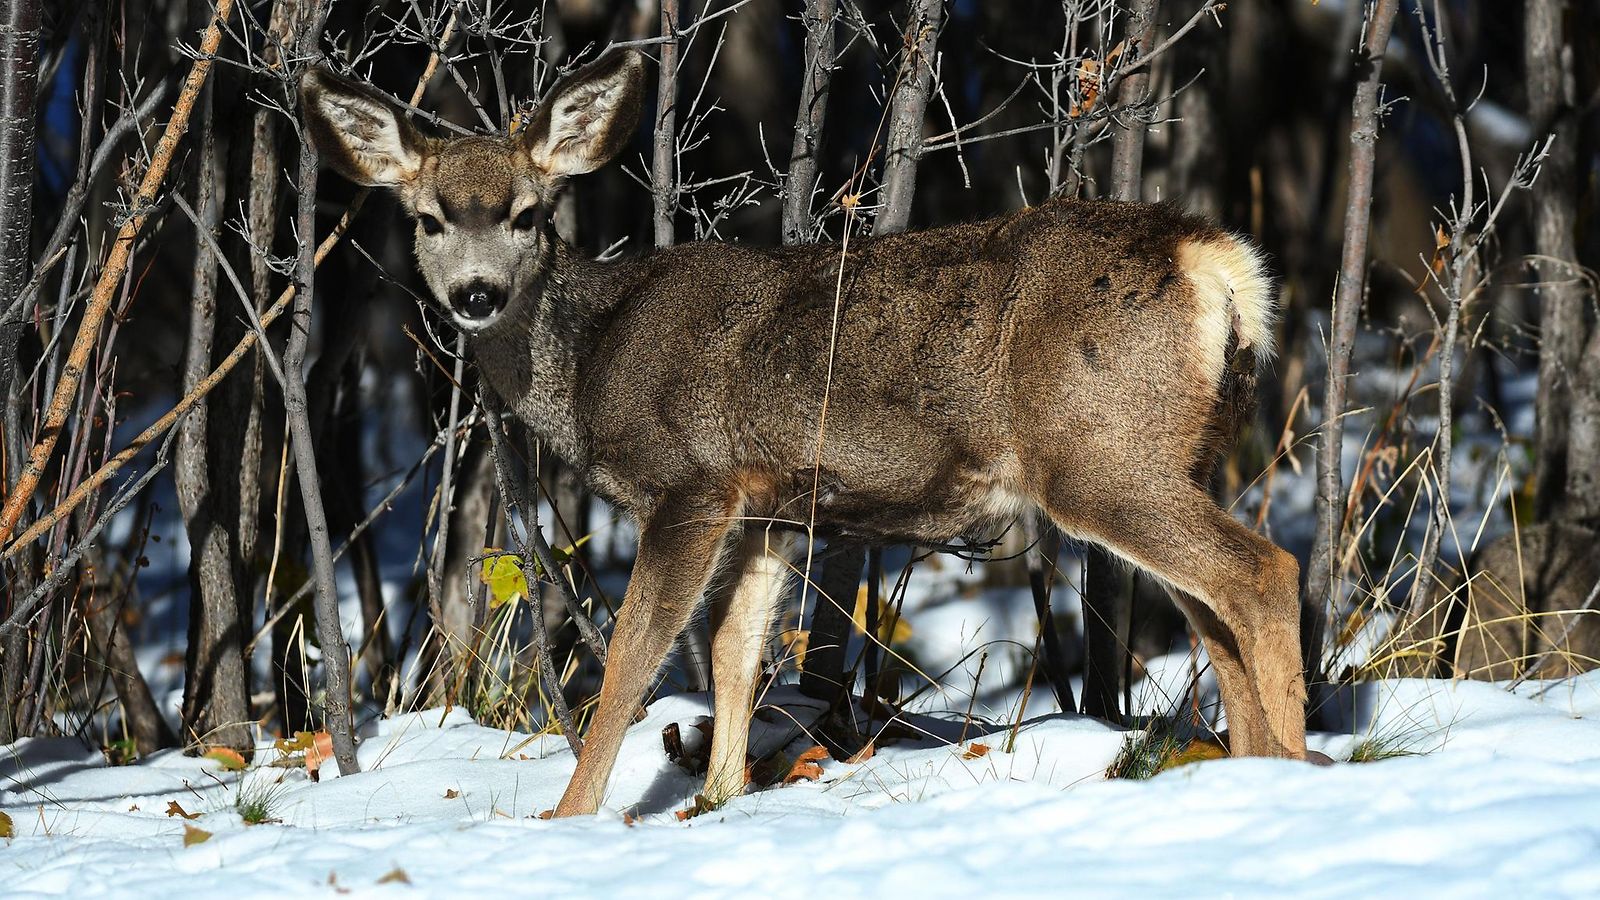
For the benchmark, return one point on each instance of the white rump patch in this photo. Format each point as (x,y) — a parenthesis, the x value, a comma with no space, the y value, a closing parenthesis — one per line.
(1232,291)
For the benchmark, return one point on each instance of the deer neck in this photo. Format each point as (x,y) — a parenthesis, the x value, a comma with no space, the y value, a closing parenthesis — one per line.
(533,356)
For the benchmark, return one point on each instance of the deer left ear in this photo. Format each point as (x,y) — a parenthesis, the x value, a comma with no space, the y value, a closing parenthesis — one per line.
(588,117)
(359,132)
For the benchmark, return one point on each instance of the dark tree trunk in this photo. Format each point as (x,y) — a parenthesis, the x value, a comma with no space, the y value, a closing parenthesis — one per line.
(1547,60)
(216,701)
(19,88)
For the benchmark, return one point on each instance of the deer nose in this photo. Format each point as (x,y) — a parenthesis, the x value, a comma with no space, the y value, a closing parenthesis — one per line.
(477,300)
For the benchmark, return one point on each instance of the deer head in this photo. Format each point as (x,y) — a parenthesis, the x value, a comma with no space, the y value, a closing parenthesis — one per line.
(481,204)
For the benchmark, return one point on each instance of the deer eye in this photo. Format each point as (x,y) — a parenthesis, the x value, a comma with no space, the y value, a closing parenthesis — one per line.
(430,225)
(524,220)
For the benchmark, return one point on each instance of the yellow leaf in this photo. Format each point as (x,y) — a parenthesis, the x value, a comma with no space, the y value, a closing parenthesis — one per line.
(193,835)
(503,575)
(975,751)
(1196,751)
(303,741)
(7,830)
(892,629)
(795,641)
(231,760)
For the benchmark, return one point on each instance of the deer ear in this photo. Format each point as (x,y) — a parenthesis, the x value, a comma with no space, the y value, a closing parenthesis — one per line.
(362,134)
(588,117)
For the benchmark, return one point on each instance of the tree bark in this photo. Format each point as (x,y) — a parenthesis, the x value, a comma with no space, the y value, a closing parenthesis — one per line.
(216,696)
(335,650)
(810,119)
(664,161)
(1547,58)
(1321,575)
(908,104)
(19,88)
(142,716)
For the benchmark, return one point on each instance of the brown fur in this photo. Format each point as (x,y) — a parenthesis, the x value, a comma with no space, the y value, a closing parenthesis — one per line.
(1087,357)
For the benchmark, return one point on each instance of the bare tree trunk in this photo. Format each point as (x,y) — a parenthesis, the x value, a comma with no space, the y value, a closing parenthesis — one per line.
(19,89)
(335,650)
(216,697)
(1582,501)
(804,161)
(1127,144)
(1321,575)
(143,717)
(1547,58)
(908,104)
(664,163)
(837,584)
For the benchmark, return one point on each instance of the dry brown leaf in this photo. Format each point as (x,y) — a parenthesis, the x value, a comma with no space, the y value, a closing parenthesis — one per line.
(173,809)
(451,793)
(806,766)
(397,876)
(7,830)
(193,835)
(701,806)
(548,814)
(862,755)
(975,751)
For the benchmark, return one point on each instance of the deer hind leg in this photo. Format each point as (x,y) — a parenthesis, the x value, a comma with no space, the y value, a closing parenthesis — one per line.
(1245,715)
(1248,585)
(678,550)
(741,614)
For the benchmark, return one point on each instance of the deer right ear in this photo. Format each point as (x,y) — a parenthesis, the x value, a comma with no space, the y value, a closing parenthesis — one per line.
(362,134)
(588,117)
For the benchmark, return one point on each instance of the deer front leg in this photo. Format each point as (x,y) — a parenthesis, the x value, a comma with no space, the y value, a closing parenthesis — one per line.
(740,618)
(678,550)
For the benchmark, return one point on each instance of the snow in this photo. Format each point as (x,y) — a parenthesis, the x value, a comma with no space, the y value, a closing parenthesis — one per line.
(1504,796)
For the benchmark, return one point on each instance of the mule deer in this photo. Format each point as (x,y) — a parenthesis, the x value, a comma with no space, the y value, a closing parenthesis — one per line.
(1087,357)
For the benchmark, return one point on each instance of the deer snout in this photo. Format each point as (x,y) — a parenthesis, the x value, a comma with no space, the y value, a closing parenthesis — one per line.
(477,300)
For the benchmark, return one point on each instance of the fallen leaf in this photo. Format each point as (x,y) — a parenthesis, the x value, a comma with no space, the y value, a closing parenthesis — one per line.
(975,751)
(862,755)
(1196,751)
(7,830)
(701,807)
(629,819)
(451,794)
(806,765)
(320,750)
(548,814)
(193,835)
(173,809)
(396,876)
(300,743)
(231,760)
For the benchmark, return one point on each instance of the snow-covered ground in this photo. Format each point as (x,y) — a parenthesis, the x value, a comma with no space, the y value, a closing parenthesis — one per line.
(1503,798)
